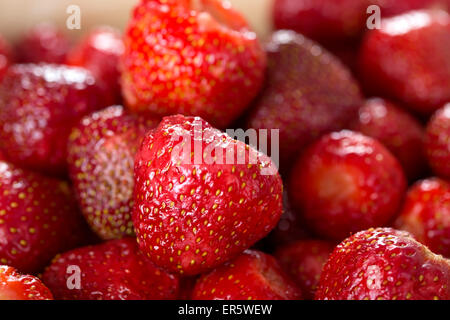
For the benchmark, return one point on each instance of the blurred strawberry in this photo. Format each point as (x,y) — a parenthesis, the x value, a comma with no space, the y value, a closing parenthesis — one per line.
(101,152)
(5,56)
(43,43)
(191,57)
(40,104)
(15,286)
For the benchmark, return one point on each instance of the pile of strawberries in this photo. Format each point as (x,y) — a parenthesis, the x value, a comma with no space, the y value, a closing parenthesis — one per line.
(97,203)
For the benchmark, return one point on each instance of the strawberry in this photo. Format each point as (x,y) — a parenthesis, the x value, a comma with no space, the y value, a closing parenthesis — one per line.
(347,182)
(40,104)
(191,57)
(303,261)
(308,93)
(426,214)
(113,270)
(331,21)
(251,276)
(43,43)
(401,133)
(38,219)
(5,56)
(408,59)
(437,143)
(101,152)
(384,264)
(195,209)
(15,286)
(99,51)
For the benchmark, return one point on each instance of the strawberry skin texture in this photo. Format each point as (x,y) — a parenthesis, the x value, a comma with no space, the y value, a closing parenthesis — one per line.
(426,214)
(438,142)
(253,275)
(183,60)
(43,43)
(347,182)
(189,218)
(408,59)
(397,130)
(40,104)
(113,270)
(16,286)
(38,219)
(308,93)
(101,151)
(384,264)
(303,261)
(100,52)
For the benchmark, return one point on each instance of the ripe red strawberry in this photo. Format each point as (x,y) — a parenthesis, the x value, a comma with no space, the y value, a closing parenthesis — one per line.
(191,57)
(384,264)
(438,142)
(303,261)
(38,219)
(15,286)
(409,59)
(5,56)
(99,52)
(334,21)
(113,270)
(199,207)
(251,276)
(347,182)
(101,152)
(426,214)
(40,104)
(401,133)
(43,43)
(308,93)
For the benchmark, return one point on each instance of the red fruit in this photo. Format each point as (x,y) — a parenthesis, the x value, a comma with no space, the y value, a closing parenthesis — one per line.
(191,57)
(40,104)
(308,93)
(438,142)
(101,153)
(334,21)
(195,209)
(409,59)
(43,43)
(303,261)
(384,264)
(113,270)
(99,52)
(251,276)
(15,286)
(426,214)
(5,56)
(38,219)
(347,182)
(401,133)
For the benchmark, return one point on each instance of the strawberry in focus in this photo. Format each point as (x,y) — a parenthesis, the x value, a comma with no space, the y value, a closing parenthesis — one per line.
(251,276)
(303,261)
(347,182)
(191,57)
(384,264)
(400,132)
(113,270)
(38,219)
(15,286)
(40,105)
(408,59)
(437,143)
(194,209)
(43,43)
(426,214)
(308,93)
(101,151)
